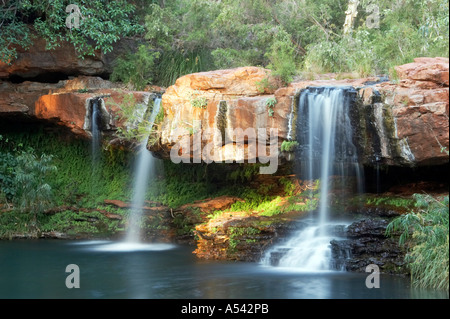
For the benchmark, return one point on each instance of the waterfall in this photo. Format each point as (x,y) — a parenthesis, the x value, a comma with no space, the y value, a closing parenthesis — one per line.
(95,131)
(326,149)
(290,122)
(143,170)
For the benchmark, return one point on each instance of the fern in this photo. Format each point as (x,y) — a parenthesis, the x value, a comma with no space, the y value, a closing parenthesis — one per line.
(425,232)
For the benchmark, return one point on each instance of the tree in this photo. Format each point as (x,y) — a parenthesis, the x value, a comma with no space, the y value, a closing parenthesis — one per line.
(101,24)
(350,16)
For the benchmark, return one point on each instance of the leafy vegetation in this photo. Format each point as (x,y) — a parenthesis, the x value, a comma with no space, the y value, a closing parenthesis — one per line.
(136,69)
(425,232)
(197,101)
(390,201)
(24,178)
(135,116)
(236,234)
(76,182)
(101,24)
(291,37)
(33,194)
(407,29)
(270,103)
(289,146)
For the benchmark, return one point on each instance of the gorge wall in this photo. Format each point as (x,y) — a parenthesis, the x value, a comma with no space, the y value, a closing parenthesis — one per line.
(399,123)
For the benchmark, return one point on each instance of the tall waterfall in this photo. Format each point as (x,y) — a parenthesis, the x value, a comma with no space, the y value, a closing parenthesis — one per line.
(325,137)
(143,172)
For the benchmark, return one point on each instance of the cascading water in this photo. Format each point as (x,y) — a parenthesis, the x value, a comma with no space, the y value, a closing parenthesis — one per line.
(325,137)
(143,171)
(95,131)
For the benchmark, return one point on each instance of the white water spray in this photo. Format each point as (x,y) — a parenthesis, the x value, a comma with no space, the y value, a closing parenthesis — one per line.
(95,131)
(143,173)
(325,136)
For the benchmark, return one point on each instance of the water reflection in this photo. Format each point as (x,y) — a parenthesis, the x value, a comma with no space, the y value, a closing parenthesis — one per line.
(37,270)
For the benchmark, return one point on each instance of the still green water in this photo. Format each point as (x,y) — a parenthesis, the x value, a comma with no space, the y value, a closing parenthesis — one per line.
(37,270)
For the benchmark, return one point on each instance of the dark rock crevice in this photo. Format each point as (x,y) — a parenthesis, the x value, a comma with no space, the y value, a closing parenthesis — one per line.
(365,244)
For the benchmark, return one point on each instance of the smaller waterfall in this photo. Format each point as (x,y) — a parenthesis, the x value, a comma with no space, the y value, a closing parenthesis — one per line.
(95,130)
(290,123)
(143,171)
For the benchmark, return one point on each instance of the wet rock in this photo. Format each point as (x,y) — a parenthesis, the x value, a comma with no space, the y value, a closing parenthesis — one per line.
(240,236)
(210,204)
(367,228)
(366,243)
(402,123)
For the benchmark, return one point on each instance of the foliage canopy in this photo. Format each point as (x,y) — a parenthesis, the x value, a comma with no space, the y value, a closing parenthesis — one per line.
(101,24)
(186,36)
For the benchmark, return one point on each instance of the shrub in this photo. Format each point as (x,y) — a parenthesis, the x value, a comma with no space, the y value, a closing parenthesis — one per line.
(425,232)
(282,57)
(136,69)
(270,103)
(289,146)
(198,101)
(33,193)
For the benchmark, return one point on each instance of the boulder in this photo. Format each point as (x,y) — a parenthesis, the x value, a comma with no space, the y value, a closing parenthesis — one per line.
(20,98)
(433,70)
(366,243)
(400,124)
(241,115)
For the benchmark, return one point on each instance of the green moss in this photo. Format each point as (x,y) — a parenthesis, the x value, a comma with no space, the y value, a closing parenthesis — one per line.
(198,101)
(390,201)
(289,146)
(77,181)
(12,223)
(185,223)
(238,235)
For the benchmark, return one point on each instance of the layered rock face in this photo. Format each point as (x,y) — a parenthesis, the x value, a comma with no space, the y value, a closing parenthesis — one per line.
(61,61)
(214,107)
(412,118)
(403,123)
(242,115)
(57,86)
(66,103)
